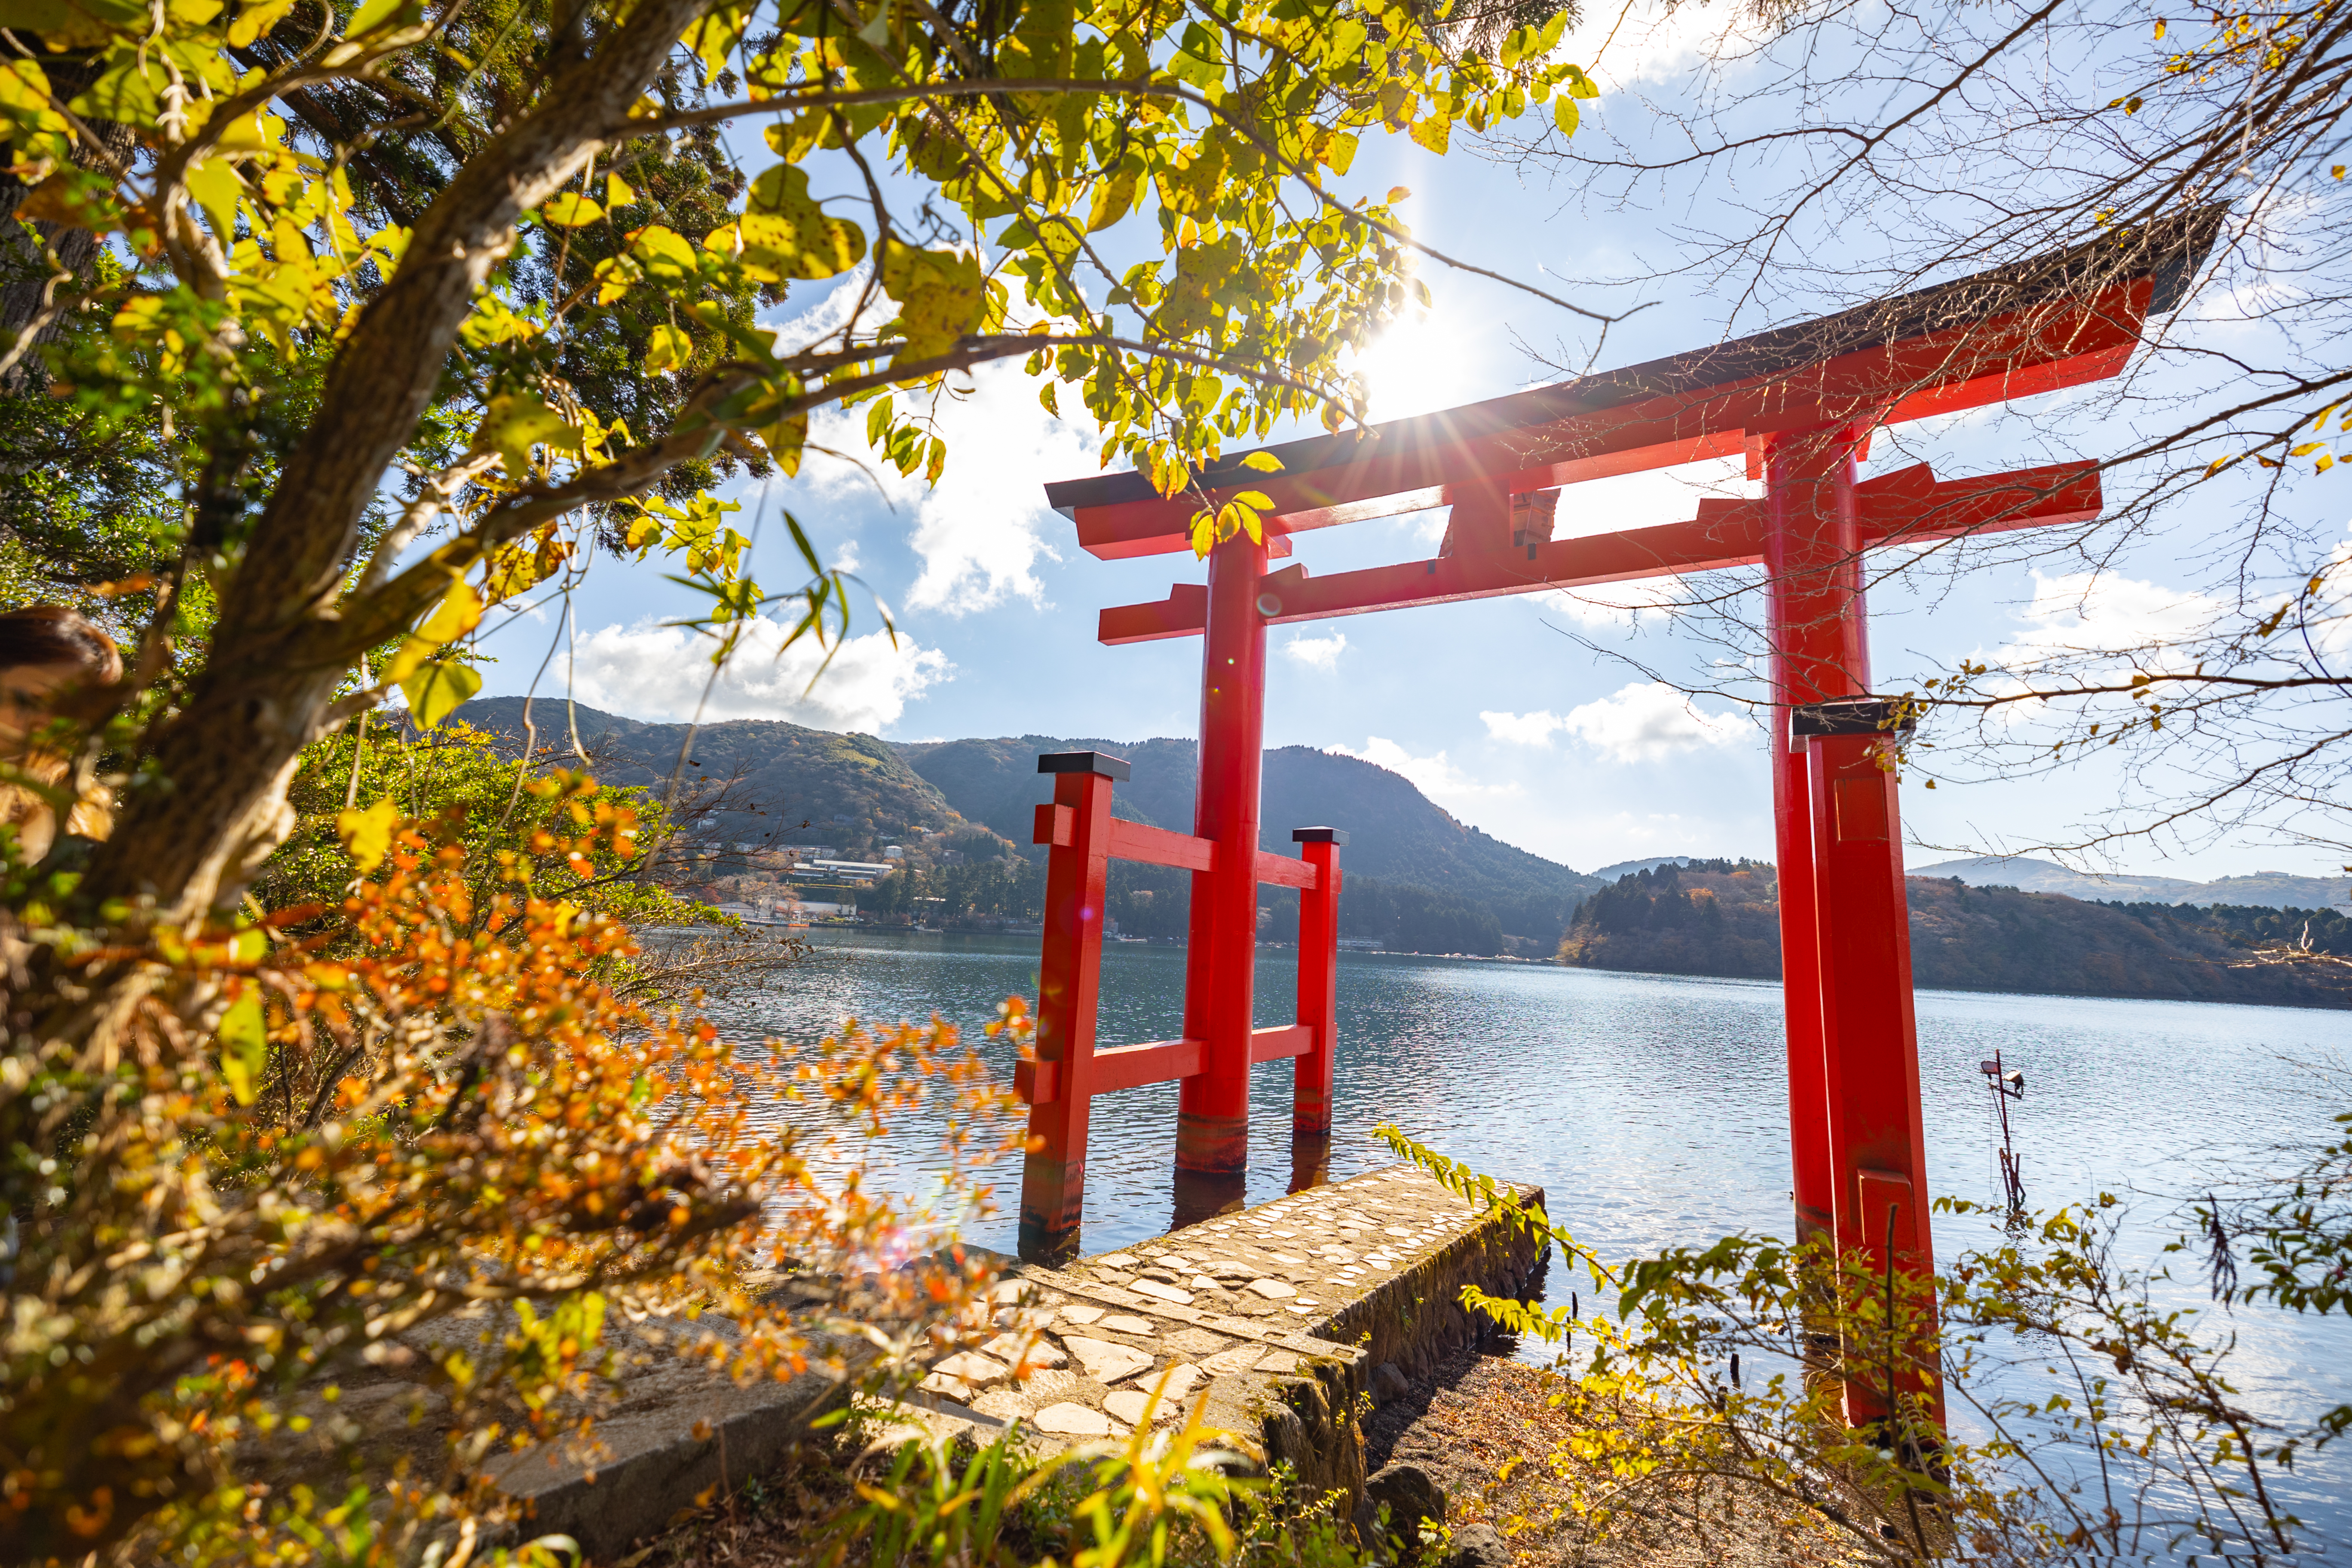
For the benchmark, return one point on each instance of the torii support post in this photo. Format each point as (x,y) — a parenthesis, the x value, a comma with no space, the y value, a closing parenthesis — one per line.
(1060,1083)
(1813,554)
(1319,1007)
(1869,1031)
(1221,957)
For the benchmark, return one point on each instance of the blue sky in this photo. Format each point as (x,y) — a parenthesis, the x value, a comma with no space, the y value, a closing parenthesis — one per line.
(1522,716)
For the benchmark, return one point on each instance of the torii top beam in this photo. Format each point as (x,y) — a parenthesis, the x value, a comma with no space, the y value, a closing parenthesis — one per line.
(2060,321)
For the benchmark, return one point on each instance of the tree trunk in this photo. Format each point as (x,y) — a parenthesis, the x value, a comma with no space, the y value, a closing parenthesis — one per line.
(211,805)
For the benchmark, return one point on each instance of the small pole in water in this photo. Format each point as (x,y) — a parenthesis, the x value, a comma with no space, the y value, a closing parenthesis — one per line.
(2006,1086)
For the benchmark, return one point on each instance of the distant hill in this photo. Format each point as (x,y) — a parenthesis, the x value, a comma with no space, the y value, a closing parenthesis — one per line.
(1418,878)
(1723,918)
(1627,868)
(846,789)
(2276,888)
(1397,837)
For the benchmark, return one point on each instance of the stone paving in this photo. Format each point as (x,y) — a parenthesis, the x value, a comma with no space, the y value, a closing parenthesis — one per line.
(1290,1306)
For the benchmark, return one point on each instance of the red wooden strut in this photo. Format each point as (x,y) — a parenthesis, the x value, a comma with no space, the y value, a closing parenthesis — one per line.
(1068,1070)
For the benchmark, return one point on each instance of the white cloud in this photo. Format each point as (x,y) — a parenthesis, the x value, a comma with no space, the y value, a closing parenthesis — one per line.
(1434,776)
(2077,613)
(983,528)
(658,672)
(1317,653)
(1534,729)
(1646,720)
(1615,606)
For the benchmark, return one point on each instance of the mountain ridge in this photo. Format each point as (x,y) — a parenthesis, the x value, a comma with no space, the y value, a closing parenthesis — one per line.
(1721,918)
(770,783)
(2279,889)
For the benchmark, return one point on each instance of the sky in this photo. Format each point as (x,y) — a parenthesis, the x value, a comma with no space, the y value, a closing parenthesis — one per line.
(1540,719)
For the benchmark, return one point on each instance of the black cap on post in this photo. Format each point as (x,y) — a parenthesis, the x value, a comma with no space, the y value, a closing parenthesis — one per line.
(1081,762)
(1318,835)
(1853,716)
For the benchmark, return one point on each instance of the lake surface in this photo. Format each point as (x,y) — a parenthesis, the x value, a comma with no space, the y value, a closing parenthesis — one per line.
(1654,1108)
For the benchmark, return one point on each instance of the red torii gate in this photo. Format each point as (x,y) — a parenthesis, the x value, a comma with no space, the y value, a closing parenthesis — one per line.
(1800,403)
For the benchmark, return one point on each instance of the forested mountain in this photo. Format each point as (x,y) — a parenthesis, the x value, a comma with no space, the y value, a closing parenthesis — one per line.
(1723,918)
(1395,834)
(1417,879)
(766,781)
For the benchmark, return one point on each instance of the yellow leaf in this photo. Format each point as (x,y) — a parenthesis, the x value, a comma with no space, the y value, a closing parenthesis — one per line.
(781,219)
(254,20)
(1258,500)
(2159,27)
(1564,114)
(438,690)
(1397,193)
(215,184)
(517,421)
(786,439)
(940,295)
(566,209)
(666,348)
(617,191)
(1433,131)
(1113,197)
(459,612)
(244,1047)
(1263,463)
(366,833)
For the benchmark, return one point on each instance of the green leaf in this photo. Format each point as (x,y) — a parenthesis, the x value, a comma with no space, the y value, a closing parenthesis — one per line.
(438,689)
(244,1047)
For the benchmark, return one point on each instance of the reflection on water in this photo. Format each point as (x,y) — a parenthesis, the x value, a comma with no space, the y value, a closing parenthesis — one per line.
(1654,1110)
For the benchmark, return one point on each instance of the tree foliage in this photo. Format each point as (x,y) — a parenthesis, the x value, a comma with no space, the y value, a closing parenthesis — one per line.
(414,240)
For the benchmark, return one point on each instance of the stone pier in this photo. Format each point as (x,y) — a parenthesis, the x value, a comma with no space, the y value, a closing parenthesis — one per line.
(1284,1313)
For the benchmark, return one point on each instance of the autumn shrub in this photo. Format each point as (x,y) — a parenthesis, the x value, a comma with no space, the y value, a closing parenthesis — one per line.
(2037,1401)
(291,1142)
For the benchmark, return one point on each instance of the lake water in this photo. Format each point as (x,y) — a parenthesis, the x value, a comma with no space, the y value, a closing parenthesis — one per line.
(1652,1109)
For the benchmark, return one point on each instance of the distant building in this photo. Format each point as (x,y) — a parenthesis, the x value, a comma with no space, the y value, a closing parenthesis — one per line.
(894,852)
